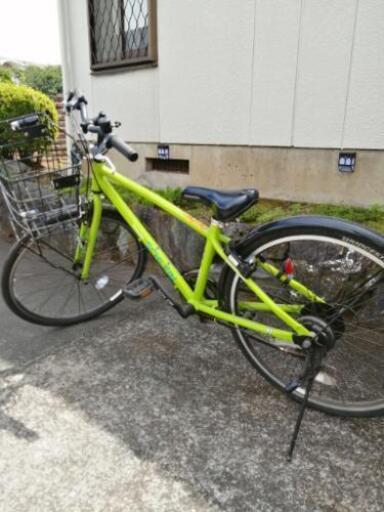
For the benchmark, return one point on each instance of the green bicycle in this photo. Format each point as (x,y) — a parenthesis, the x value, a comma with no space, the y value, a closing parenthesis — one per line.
(303,296)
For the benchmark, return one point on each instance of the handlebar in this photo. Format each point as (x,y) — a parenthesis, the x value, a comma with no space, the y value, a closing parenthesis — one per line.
(25,122)
(101,126)
(122,147)
(75,102)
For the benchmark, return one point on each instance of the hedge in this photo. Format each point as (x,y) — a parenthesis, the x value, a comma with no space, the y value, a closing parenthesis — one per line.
(19,100)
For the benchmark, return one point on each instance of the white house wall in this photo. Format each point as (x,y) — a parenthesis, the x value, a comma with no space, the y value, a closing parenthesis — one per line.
(274,72)
(133,99)
(323,71)
(304,73)
(365,113)
(205,64)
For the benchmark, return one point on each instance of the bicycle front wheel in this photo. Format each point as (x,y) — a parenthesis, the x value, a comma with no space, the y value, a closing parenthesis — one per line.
(346,270)
(41,284)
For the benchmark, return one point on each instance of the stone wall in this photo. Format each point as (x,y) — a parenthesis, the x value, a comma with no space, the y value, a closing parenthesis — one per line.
(61,145)
(183,245)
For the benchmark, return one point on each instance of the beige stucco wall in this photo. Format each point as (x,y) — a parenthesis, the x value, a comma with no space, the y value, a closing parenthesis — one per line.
(263,75)
(278,173)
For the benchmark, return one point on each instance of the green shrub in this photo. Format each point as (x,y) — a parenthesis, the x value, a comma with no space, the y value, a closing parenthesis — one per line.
(269,210)
(174,195)
(261,213)
(19,100)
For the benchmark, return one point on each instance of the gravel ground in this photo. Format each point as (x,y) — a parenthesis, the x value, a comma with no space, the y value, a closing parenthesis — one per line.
(142,411)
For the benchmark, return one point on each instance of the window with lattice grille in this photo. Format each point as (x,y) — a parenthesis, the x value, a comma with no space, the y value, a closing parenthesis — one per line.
(122,33)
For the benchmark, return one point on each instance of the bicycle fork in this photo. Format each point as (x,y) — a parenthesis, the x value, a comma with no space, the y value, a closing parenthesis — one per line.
(87,237)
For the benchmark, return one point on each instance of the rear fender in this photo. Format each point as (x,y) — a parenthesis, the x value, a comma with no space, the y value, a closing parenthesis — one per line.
(365,238)
(315,225)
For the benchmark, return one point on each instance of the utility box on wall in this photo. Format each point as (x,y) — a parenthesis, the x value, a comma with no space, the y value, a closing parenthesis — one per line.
(347,162)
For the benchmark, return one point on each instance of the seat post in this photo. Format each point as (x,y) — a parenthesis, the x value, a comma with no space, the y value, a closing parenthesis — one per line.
(218,223)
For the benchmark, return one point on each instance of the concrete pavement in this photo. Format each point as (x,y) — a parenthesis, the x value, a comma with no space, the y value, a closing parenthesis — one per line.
(142,411)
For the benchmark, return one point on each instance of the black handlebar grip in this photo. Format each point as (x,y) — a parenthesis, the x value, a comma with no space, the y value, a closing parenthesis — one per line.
(123,148)
(25,122)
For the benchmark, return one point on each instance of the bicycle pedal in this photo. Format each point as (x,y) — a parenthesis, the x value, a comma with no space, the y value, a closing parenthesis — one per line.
(139,289)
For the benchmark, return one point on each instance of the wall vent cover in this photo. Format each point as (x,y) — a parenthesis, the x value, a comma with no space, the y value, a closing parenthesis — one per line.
(173,165)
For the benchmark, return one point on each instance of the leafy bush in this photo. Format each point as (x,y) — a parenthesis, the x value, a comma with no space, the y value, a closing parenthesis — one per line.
(19,100)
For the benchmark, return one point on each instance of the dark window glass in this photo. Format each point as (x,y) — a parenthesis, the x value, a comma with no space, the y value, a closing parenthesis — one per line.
(122,32)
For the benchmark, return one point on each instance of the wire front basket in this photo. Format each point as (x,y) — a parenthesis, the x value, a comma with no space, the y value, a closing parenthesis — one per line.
(40,185)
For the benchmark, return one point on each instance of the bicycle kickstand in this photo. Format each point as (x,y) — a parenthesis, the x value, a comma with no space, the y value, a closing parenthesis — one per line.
(313,364)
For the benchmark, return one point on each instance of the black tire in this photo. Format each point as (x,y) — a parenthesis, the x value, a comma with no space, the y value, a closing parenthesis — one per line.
(51,255)
(352,383)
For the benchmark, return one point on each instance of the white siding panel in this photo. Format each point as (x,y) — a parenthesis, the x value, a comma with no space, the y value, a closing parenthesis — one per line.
(365,113)
(324,63)
(275,59)
(205,66)
(130,97)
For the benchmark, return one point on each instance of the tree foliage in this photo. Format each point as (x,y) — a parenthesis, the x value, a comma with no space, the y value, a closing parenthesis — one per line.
(47,79)
(5,75)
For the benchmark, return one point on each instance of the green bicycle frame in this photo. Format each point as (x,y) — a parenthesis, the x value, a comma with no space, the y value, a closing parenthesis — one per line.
(104,181)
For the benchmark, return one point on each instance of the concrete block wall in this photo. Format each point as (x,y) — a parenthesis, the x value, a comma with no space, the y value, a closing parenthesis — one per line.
(292,174)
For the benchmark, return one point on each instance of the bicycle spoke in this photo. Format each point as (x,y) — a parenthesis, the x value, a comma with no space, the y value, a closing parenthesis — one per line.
(64,305)
(46,300)
(46,283)
(35,292)
(352,284)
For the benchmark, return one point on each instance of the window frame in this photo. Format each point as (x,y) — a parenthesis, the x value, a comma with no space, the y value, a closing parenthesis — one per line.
(149,60)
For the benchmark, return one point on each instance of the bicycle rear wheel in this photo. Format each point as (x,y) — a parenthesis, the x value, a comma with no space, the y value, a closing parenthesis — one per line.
(41,284)
(337,266)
